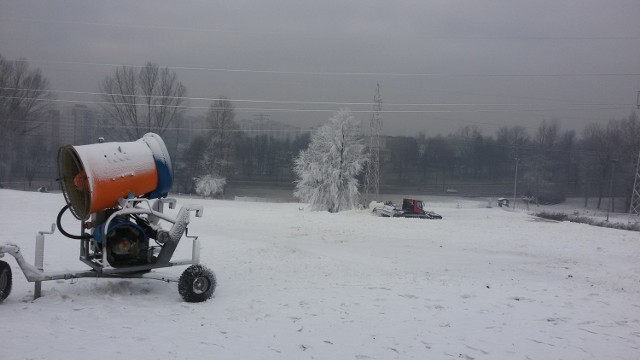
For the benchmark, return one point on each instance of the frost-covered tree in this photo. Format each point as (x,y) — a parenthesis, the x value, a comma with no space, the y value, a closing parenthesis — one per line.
(327,170)
(208,185)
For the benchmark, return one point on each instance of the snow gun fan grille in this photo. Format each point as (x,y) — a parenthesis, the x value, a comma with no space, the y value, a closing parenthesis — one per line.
(75,185)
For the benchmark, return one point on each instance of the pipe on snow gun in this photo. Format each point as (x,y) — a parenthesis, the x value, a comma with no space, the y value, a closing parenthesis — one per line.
(95,176)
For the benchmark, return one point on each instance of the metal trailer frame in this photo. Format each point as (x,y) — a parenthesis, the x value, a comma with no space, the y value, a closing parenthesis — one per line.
(100,267)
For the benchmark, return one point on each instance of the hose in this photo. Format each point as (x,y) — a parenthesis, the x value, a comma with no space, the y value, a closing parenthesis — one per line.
(59,224)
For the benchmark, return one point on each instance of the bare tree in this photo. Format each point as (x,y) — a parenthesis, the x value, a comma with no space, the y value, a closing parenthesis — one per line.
(150,99)
(220,155)
(547,133)
(404,155)
(538,165)
(24,97)
(628,149)
(148,80)
(169,92)
(469,138)
(568,171)
(37,159)
(221,117)
(189,166)
(438,157)
(513,136)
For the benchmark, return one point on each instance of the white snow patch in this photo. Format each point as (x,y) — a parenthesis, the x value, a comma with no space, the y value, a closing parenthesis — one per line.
(482,283)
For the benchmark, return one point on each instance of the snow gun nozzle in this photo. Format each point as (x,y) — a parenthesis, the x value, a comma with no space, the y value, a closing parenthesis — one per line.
(94,177)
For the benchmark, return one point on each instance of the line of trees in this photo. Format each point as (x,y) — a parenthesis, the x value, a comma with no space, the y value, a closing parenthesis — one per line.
(551,162)
(225,152)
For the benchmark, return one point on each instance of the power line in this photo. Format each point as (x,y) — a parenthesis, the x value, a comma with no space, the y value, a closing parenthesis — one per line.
(303,102)
(336,73)
(196,29)
(250,109)
(120,126)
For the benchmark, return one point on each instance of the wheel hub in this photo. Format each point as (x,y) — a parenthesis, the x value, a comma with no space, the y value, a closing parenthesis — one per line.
(200,285)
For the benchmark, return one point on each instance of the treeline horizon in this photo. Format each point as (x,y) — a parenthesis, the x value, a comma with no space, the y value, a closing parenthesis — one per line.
(552,163)
(598,161)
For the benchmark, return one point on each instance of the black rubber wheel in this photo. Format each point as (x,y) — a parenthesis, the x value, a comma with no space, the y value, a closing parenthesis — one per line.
(5,280)
(197,284)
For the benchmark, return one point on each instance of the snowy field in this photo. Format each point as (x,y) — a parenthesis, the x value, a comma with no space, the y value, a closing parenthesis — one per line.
(483,283)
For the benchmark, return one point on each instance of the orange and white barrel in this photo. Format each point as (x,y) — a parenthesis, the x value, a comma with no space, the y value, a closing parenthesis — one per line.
(95,176)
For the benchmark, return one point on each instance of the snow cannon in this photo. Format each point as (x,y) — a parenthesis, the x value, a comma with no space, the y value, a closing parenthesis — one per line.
(119,191)
(95,176)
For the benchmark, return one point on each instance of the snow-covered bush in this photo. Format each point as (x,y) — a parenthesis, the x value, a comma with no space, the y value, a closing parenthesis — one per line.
(327,170)
(208,185)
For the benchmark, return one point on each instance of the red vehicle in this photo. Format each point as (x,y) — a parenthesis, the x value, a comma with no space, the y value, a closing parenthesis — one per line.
(411,208)
(415,208)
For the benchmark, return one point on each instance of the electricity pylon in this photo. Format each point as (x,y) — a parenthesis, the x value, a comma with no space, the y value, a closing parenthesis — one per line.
(634,208)
(372,180)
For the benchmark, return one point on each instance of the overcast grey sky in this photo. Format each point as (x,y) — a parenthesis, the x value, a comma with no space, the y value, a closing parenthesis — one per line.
(488,63)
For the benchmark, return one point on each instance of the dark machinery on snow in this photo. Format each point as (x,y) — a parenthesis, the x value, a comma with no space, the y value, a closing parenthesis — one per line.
(118,193)
(411,208)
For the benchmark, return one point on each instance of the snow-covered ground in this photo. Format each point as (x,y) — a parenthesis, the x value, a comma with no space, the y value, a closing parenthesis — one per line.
(483,283)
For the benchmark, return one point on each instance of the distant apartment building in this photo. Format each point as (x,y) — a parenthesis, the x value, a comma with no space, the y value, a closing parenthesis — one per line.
(85,125)
(49,132)
(271,128)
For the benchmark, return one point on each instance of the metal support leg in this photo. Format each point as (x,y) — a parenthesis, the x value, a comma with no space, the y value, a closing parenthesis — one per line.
(195,251)
(39,260)
(39,263)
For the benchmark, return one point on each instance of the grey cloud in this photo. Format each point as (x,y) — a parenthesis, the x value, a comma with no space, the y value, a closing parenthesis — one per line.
(442,37)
